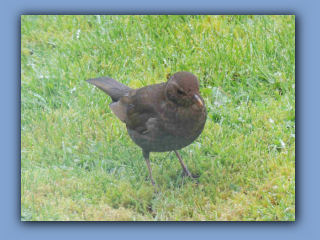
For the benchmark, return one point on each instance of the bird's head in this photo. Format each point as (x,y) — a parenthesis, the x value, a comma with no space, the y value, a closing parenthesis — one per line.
(183,89)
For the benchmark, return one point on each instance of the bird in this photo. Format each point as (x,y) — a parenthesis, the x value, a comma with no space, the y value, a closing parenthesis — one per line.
(160,117)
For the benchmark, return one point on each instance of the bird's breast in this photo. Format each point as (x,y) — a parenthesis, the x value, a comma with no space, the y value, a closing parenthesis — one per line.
(184,122)
(177,128)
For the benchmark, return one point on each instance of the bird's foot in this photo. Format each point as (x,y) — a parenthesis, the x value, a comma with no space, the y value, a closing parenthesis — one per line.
(156,189)
(188,174)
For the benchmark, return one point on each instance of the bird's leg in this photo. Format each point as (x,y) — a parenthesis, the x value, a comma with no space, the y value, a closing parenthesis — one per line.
(146,157)
(184,167)
(149,167)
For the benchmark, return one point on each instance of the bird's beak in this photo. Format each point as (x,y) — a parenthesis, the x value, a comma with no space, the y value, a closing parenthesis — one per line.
(197,100)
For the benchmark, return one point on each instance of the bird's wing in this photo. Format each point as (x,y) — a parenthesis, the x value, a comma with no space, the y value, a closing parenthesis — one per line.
(138,109)
(120,108)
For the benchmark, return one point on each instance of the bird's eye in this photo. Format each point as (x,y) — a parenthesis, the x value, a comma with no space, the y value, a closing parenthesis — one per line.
(180,92)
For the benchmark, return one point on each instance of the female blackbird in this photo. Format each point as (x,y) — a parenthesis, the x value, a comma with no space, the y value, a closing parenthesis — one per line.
(160,117)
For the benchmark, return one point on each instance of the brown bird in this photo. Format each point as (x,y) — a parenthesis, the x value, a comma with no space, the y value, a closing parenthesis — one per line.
(160,117)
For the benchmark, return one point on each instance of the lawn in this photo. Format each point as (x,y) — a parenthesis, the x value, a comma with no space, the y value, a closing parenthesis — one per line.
(78,162)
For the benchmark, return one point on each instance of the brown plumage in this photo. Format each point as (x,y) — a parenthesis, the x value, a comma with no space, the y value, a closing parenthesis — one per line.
(160,117)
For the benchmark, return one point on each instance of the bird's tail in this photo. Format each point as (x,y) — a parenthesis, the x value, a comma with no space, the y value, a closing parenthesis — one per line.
(110,86)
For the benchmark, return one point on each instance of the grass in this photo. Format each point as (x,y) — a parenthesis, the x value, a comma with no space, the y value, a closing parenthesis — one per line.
(77,161)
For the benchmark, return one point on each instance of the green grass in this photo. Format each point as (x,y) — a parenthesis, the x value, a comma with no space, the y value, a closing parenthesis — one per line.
(77,160)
